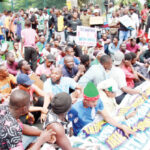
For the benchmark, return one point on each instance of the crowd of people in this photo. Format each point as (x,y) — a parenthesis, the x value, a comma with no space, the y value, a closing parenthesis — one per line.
(47,79)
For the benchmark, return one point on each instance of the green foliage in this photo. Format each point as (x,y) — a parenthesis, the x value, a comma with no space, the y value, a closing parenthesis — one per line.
(24,4)
(129,2)
(80,2)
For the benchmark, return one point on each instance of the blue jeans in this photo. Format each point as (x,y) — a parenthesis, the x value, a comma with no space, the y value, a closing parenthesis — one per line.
(123,35)
(51,31)
(26,140)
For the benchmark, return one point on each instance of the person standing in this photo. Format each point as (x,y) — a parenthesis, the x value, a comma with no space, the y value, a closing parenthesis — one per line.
(29,38)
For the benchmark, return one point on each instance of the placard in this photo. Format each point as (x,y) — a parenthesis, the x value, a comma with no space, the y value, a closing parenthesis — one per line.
(86,36)
(97,20)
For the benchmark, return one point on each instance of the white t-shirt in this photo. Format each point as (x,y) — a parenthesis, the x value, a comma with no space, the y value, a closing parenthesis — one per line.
(119,76)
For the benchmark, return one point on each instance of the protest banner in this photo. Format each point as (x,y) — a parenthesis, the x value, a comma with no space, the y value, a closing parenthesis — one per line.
(127,22)
(108,137)
(97,20)
(86,36)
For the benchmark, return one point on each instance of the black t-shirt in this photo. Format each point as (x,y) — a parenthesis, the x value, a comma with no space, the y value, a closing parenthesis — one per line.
(123,28)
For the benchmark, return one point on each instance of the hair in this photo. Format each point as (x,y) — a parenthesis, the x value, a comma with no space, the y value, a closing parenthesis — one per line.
(104,59)
(8,54)
(133,55)
(84,58)
(20,63)
(28,23)
(67,48)
(128,56)
(19,98)
(15,42)
(116,37)
(67,56)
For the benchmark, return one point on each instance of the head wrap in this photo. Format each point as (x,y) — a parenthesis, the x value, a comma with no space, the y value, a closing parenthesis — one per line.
(90,92)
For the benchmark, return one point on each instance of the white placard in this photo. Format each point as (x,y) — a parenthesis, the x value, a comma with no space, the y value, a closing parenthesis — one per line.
(86,36)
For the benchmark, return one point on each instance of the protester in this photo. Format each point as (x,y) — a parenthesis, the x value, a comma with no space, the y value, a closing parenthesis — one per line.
(101,72)
(70,70)
(29,38)
(11,65)
(44,70)
(18,106)
(7,81)
(56,120)
(118,75)
(85,111)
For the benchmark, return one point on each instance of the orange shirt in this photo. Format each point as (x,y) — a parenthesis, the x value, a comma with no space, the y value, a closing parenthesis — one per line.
(5,85)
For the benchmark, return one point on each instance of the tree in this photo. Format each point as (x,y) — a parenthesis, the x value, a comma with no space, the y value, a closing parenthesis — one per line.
(80,2)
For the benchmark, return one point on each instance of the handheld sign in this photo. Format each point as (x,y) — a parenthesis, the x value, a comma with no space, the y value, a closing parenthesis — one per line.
(86,36)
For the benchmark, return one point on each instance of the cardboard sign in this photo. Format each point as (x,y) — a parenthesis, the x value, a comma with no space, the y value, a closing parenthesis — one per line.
(98,20)
(86,36)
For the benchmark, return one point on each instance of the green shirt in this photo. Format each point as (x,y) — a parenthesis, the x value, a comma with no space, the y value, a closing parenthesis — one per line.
(95,62)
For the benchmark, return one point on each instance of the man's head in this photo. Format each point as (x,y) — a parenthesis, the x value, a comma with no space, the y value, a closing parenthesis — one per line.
(19,102)
(131,9)
(75,15)
(56,75)
(85,60)
(69,51)
(134,59)
(58,38)
(118,57)
(106,61)
(16,46)
(42,39)
(24,66)
(123,47)
(84,11)
(96,12)
(61,103)
(56,43)
(3,72)
(113,14)
(10,57)
(24,81)
(50,59)
(91,95)
(127,60)
(126,11)
(115,40)
(133,42)
(48,47)
(28,23)
(104,36)
(69,62)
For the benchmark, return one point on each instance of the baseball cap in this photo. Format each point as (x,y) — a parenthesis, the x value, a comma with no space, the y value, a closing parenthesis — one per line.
(118,57)
(96,11)
(50,57)
(24,79)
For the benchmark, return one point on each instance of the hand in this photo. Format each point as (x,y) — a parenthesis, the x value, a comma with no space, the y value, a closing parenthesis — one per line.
(30,118)
(110,94)
(127,131)
(132,114)
(22,54)
(43,117)
(44,110)
(48,136)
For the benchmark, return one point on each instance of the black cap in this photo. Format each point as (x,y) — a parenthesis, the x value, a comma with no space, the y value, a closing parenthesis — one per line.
(61,103)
